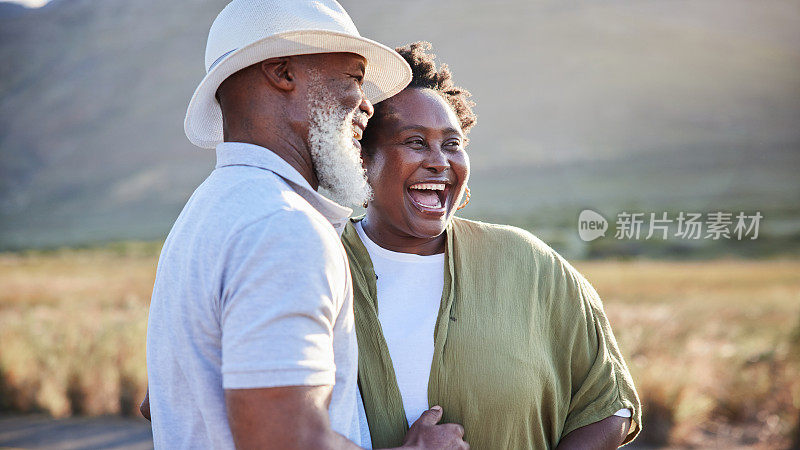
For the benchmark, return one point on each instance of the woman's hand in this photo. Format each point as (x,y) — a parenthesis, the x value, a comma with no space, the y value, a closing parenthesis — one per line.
(426,433)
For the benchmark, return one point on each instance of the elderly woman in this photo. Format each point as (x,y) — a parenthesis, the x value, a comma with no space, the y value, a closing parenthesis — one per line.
(485,320)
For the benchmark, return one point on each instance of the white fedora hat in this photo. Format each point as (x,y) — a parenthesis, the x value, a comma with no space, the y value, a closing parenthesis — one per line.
(248,31)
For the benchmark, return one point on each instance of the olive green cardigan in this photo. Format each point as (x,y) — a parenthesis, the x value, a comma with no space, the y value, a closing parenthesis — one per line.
(523,352)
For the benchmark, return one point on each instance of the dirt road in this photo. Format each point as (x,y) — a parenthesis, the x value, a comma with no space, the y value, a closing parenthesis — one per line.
(42,432)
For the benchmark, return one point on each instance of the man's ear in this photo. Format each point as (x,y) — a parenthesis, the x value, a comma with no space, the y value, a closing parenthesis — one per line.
(279,72)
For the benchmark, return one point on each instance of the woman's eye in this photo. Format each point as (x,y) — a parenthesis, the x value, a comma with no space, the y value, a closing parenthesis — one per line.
(453,145)
(415,143)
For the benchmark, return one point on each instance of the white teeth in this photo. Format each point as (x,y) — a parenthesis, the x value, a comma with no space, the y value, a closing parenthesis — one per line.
(428,186)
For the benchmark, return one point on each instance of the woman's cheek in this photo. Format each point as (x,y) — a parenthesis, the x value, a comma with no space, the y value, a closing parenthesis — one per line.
(464,168)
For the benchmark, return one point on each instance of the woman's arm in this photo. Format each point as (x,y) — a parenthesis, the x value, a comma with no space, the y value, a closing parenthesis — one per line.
(606,434)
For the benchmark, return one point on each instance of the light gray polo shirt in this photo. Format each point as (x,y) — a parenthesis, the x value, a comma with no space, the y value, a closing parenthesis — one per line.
(252,290)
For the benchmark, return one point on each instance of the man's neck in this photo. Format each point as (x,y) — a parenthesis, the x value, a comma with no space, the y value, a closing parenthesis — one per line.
(293,151)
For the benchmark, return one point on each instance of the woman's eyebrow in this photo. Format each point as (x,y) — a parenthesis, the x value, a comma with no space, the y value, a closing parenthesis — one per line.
(446,130)
(451,130)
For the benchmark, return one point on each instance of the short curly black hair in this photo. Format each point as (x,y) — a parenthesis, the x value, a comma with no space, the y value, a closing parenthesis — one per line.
(425,76)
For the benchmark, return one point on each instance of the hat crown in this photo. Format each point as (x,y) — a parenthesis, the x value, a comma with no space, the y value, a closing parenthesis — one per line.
(243,22)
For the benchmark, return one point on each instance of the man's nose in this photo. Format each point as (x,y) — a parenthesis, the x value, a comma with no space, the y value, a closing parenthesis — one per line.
(366,106)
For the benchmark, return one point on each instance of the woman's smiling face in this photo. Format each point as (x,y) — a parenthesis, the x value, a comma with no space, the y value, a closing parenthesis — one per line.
(416,165)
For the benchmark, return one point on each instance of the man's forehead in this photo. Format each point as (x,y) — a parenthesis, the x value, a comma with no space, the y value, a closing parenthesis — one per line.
(351,61)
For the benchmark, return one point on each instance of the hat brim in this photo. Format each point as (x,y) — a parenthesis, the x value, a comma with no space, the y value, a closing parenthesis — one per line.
(387,73)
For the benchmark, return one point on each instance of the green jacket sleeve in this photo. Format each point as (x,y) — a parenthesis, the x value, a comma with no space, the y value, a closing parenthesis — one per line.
(600,380)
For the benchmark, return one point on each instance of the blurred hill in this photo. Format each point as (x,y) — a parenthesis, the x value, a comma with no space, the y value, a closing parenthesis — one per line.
(11,9)
(660,105)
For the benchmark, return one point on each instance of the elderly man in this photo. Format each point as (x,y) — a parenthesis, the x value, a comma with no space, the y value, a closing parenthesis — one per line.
(251,340)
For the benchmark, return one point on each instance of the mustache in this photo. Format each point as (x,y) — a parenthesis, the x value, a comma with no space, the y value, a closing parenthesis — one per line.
(361,118)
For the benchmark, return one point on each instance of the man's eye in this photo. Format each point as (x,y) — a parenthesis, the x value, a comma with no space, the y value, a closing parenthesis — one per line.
(359,78)
(453,145)
(415,143)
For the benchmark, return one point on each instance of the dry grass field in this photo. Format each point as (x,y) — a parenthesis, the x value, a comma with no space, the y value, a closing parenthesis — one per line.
(713,345)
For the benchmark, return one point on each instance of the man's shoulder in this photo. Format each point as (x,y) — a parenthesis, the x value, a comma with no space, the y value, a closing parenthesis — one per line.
(243,195)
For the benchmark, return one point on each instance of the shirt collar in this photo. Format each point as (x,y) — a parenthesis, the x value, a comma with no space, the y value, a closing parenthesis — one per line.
(242,154)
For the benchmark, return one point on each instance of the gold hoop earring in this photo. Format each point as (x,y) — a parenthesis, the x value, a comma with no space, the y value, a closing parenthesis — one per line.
(467,195)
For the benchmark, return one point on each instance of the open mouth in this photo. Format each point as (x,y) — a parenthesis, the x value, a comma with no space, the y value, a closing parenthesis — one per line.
(358,133)
(429,197)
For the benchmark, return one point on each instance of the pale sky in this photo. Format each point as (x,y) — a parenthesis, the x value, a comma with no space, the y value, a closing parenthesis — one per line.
(29,3)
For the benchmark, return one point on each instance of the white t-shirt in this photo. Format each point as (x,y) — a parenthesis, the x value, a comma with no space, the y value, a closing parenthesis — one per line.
(409,295)
(252,290)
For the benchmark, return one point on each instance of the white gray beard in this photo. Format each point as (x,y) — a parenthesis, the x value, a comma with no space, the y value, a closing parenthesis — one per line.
(337,161)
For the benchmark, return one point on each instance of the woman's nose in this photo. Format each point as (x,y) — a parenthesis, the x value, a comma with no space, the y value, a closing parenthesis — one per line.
(437,161)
